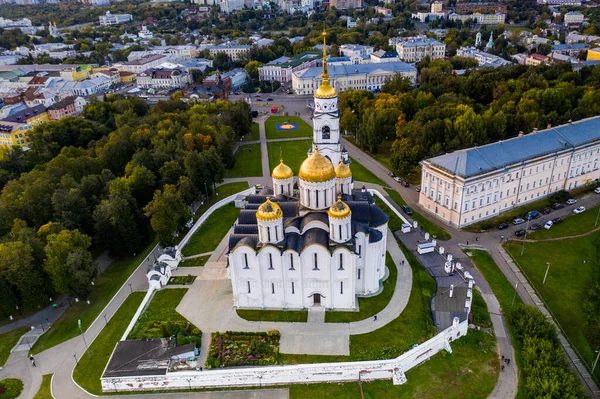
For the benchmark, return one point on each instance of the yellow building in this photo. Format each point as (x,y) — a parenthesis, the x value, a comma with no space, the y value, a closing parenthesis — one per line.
(80,72)
(30,116)
(593,54)
(13,133)
(127,77)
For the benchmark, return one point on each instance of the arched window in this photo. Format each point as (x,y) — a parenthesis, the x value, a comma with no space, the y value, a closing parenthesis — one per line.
(316,263)
(325,132)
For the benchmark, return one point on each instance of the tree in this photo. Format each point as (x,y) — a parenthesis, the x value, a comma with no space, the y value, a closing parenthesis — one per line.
(141,183)
(167,213)
(18,268)
(252,69)
(222,61)
(69,263)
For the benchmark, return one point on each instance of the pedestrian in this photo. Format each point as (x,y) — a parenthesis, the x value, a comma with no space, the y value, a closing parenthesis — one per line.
(375,318)
(502,357)
(508,361)
(32,360)
(501,367)
(501,238)
(476,238)
(467,242)
(402,262)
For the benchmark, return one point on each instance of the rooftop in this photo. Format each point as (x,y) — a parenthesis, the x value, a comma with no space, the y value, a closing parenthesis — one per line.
(25,114)
(145,60)
(348,70)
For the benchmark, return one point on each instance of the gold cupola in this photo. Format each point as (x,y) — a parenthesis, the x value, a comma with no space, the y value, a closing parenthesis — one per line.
(269,211)
(342,170)
(325,90)
(339,209)
(282,171)
(316,168)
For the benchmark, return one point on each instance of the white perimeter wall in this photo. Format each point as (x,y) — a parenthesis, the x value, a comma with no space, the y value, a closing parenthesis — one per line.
(294,374)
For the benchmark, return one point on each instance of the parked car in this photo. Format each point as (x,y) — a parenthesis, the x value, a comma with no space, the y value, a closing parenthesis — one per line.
(558,206)
(503,226)
(532,215)
(557,220)
(418,189)
(257,95)
(597,190)
(520,233)
(548,224)
(404,183)
(518,221)
(259,99)
(406,210)
(399,180)
(269,99)
(546,211)
(391,174)
(254,114)
(571,201)
(579,209)
(535,226)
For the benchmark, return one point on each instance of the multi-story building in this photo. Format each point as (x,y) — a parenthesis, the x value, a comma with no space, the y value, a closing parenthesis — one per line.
(414,49)
(573,18)
(143,64)
(63,108)
(593,54)
(386,12)
(14,133)
(560,2)
(234,52)
(282,68)
(466,186)
(76,73)
(467,8)
(481,19)
(345,4)
(163,79)
(437,6)
(31,116)
(384,56)
(484,59)
(537,59)
(228,6)
(572,50)
(114,19)
(360,77)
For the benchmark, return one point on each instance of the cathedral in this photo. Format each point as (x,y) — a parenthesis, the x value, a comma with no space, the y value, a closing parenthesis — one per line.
(312,239)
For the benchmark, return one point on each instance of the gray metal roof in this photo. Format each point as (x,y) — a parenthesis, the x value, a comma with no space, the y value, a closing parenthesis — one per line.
(479,160)
(350,70)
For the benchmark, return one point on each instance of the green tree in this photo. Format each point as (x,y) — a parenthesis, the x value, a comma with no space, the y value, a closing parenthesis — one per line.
(17,266)
(252,69)
(167,213)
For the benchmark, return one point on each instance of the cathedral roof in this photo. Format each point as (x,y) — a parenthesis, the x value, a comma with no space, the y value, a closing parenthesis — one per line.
(282,171)
(269,211)
(339,209)
(342,170)
(316,168)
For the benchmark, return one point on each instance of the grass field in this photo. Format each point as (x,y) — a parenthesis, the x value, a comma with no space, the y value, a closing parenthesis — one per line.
(181,280)
(470,371)
(566,284)
(290,316)
(479,310)
(8,341)
(304,129)
(368,307)
(427,224)
(254,133)
(194,262)
(212,231)
(293,153)
(45,391)
(225,190)
(362,174)
(571,226)
(89,370)
(247,162)
(105,287)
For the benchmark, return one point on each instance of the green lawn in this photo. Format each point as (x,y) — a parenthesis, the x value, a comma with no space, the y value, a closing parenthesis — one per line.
(212,231)
(181,280)
(394,222)
(194,262)
(254,133)
(479,310)
(362,174)
(566,284)
(88,372)
(293,153)
(45,391)
(161,310)
(432,228)
(289,316)
(8,341)
(304,129)
(105,287)
(247,162)
(368,307)
(571,226)
(470,371)
(225,190)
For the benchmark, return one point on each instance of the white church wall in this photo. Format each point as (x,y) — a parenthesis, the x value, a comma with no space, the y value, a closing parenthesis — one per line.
(283,186)
(317,195)
(292,275)
(316,281)
(393,369)
(344,185)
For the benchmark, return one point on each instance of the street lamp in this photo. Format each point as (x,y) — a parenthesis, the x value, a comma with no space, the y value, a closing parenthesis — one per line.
(84,341)
(260,380)
(515,295)
(130,289)
(595,361)
(75,356)
(525,237)
(546,275)
(106,321)
(189,383)
(206,190)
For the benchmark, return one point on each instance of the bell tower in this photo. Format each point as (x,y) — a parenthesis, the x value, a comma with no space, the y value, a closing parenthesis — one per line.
(326,118)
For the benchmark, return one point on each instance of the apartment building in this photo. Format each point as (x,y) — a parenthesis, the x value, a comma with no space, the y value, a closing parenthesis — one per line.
(483,59)
(114,19)
(282,68)
(163,79)
(140,65)
(63,108)
(31,116)
(573,18)
(481,19)
(467,186)
(345,4)
(234,52)
(415,48)
(466,8)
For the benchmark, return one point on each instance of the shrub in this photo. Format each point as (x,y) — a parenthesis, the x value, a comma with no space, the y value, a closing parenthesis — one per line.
(10,388)
(237,348)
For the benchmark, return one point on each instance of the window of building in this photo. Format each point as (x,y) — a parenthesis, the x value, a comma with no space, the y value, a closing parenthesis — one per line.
(358,273)
(248,287)
(341,287)
(293,292)
(316,263)
(359,251)
(340,228)
(271,262)
(246,261)
(272,288)
(268,234)
(341,262)
(292,262)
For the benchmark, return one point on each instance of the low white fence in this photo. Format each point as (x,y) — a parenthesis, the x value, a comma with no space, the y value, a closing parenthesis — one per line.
(294,374)
(209,212)
(381,197)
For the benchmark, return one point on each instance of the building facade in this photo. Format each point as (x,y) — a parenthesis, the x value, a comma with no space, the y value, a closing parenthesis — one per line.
(163,79)
(234,52)
(282,68)
(482,19)
(140,65)
(321,245)
(414,49)
(114,19)
(475,184)
(345,4)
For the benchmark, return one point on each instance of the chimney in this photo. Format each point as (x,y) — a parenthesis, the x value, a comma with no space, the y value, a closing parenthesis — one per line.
(451,290)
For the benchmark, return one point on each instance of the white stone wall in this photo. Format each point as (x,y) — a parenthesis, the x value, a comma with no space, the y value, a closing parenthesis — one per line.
(344,186)
(283,186)
(393,369)
(318,195)
(270,231)
(340,229)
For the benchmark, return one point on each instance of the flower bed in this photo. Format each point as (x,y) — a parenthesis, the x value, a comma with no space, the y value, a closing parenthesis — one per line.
(182,280)
(234,348)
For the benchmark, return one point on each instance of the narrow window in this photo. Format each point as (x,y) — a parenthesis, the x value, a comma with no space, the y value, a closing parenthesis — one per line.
(341,287)
(272,288)
(358,274)
(291,261)
(317,198)
(340,226)
(316,266)
(341,262)
(248,287)
(270,261)
(246,261)
(359,248)
(293,292)
(276,234)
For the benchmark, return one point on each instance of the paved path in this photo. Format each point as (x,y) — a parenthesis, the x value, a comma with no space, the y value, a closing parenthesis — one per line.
(264,153)
(213,290)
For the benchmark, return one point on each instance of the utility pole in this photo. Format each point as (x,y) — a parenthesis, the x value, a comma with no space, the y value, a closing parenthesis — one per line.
(525,237)
(546,275)
(87,349)
(515,296)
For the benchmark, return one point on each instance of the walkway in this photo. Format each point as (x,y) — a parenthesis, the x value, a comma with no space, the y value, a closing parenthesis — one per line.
(212,289)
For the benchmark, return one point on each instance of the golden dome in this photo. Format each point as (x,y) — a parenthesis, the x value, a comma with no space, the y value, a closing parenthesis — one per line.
(342,170)
(316,168)
(339,209)
(269,211)
(282,171)
(325,90)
